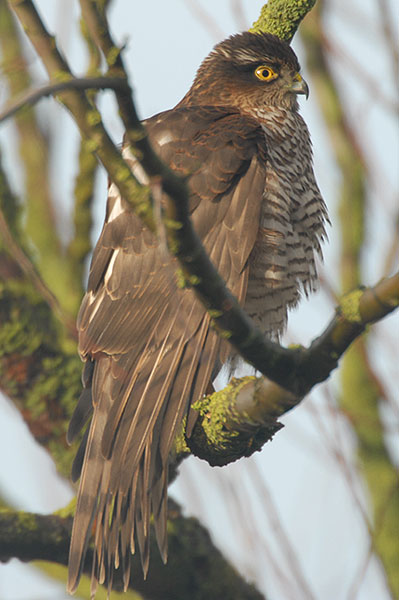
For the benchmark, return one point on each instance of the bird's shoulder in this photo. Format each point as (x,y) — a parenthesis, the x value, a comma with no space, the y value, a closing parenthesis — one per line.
(220,152)
(200,130)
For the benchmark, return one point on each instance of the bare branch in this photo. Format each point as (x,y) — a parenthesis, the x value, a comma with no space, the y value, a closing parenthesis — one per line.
(197,570)
(54,87)
(208,21)
(85,114)
(390,37)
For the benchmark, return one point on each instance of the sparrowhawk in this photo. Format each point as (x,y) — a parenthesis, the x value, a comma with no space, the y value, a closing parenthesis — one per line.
(148,345)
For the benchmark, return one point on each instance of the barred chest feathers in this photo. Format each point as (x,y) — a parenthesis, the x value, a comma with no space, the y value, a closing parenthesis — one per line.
(282,262)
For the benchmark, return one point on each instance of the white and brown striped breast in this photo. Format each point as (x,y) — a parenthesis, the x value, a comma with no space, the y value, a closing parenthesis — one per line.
(291,225)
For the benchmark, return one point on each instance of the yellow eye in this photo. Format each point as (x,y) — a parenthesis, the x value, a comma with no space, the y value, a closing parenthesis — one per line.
(265,73)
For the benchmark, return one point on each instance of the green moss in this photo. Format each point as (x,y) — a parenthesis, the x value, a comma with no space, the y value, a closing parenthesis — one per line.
(93,117)
(224,333)
(142,201)
(214,313)
(172,224)
(282,17)
(216,409)
(174,247)
(92,145)
(180,444)
(60,75)
(35,370)
(194,280)
(181,281)
(21,521)
(123,173)
(26,521)
(222,434)
(113,55)
(349,306)
(24,319)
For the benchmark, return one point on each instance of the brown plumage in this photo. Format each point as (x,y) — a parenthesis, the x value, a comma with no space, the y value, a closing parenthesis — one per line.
(148,346)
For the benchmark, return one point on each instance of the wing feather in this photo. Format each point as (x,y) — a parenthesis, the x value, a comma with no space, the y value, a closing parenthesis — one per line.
(149,344)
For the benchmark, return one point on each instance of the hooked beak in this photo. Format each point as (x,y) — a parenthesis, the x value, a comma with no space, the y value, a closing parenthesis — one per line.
(299,86)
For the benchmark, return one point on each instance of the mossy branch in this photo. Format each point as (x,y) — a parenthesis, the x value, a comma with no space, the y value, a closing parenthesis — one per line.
(195,570)
(80,246)
(282,17)
(30,536)
(36,372)
(239,420)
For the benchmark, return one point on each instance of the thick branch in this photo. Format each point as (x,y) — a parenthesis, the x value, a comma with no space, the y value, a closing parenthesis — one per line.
(241,418)
(30,536)
(195,570)
(282,17)
(36,372)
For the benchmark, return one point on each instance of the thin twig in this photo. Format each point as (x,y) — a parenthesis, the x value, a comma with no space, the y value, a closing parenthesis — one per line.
(208,21)
(390,38)
(254,534)
(54,87)
(30,271)
(353,592)
(335,447)
(362,75)
(291,557)
(237,10)
(85,114)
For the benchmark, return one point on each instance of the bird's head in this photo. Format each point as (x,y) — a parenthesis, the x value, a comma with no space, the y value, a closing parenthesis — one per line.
(249,71)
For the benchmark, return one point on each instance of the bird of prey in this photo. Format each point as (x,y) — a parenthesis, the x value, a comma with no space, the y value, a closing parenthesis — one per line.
(148,345)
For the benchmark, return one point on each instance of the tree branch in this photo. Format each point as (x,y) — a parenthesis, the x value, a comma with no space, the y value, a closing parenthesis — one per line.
(36,371)
(34,161)
(282,17)
(18,256)
(85,113)
(195,569)
(52,88)
(241,418)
